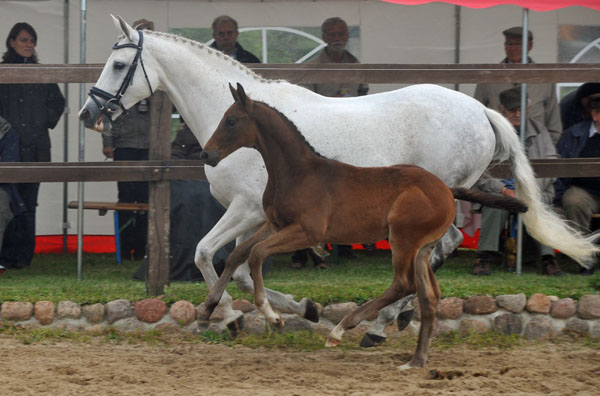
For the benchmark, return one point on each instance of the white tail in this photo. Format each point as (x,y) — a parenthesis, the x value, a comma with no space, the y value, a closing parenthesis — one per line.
(542,222)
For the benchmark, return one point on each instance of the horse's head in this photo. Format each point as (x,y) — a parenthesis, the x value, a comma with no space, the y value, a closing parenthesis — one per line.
(122,83)
(236,129)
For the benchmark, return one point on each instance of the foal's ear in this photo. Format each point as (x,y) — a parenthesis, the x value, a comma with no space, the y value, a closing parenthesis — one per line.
(234,93)
(242,95)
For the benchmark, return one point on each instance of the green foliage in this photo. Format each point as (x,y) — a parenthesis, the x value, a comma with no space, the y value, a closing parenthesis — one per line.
(54,278)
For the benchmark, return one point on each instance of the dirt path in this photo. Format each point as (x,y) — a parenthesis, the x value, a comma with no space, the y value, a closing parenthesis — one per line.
(97,368)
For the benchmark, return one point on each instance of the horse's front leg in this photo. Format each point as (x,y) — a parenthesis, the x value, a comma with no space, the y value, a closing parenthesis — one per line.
(237,220)
(402,311)
(287,240)
(235,259)
(279,301)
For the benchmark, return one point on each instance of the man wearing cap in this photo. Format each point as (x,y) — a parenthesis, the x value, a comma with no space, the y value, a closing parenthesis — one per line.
(538,145)
(574,107)
(580,197)
(225,33)
(543,103)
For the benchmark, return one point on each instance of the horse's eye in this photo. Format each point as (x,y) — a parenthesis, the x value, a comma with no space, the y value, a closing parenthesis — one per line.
(230,121)
(119,65)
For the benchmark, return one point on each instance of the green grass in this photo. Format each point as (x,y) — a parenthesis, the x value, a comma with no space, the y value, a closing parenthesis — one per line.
(53,277)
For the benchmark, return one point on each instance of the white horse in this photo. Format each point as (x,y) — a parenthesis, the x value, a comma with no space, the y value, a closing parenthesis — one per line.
(446,132)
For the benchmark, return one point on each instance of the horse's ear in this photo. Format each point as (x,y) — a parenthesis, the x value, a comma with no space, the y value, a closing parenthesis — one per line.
(242,95)
(234,93)
(123,27)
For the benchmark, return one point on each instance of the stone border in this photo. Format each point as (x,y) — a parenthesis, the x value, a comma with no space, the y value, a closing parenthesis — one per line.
(536,317)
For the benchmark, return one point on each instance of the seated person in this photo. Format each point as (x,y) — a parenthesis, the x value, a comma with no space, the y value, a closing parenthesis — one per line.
(579,198)
(574,107)
(538,145)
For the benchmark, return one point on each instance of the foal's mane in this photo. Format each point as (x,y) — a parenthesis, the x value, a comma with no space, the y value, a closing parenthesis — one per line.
(202,49)
(291,126)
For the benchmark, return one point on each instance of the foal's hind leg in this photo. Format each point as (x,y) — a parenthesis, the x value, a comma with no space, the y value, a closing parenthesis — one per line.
(429,294)
(402,311)
(403,259)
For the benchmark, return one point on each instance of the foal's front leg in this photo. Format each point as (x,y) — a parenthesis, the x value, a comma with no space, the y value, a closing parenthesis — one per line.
(287,240)
(236,258)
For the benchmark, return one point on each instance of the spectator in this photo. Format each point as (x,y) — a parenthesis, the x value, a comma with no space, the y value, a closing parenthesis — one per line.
(543,106)
(128,140)
(225,33)
(538,145)
(580,197)
(185,145)
(10,201)
(31,109)
(574,107)
(334,32)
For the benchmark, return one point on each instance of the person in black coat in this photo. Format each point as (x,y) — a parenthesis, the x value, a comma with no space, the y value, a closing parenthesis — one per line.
(31,109)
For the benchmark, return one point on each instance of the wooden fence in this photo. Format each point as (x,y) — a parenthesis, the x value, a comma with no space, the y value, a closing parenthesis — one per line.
(160,169)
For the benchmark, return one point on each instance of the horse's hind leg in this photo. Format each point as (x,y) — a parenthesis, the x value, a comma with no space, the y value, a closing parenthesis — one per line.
(403,258)
(428,293)
(236,220)
(402,311)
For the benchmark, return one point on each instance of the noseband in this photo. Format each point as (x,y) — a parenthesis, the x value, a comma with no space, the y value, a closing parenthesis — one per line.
(96,92)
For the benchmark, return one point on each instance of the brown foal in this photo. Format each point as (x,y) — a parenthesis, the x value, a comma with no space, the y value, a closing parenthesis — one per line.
(310,199)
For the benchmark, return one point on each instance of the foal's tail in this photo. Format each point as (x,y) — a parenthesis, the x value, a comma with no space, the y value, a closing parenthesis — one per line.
(491,200)
(542,222)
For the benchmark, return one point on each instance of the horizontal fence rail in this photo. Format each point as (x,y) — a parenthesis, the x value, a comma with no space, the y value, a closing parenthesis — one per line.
(30,172)
(347,72)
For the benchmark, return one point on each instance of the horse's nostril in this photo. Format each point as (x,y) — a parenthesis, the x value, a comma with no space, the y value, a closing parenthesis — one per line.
(84,115)
(203,155)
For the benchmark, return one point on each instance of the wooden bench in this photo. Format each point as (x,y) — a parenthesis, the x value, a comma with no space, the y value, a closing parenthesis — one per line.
(103,207)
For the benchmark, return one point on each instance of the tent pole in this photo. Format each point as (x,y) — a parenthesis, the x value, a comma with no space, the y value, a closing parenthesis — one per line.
(66,127)
(457,21)
(522,132)
(82,98)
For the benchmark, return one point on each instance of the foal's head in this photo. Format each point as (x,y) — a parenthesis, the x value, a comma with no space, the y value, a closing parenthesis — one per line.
(237,129)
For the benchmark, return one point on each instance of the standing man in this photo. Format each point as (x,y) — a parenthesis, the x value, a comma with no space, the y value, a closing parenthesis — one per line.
(225,33)
(334,31)
(543,103)
(538,145)
(128,140)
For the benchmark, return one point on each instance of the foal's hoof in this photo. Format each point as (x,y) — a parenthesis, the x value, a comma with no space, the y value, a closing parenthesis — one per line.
(311,313)
(332,342)
(404,319)
(202,313)
(371,340)
(235,327)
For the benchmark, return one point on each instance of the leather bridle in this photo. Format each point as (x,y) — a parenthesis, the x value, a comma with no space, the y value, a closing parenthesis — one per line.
(109,98)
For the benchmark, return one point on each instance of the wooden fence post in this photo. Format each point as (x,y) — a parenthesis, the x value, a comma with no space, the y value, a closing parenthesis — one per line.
(159,197)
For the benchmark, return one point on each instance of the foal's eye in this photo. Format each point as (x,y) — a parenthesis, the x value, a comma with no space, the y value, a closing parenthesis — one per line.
(230,121)
(119,65)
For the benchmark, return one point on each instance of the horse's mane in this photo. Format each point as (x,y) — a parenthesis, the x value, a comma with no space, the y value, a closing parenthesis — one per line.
(206,49)
(292,127)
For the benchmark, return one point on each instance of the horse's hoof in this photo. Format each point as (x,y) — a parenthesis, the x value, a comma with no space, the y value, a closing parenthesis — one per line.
(235,327)
(332,342)
(405,366)
(404,319)
(279,323)
(311,313)
(371,340)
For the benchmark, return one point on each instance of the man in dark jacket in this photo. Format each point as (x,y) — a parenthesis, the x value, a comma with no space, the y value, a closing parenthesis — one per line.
(225,33)
(580,197)
(10,201)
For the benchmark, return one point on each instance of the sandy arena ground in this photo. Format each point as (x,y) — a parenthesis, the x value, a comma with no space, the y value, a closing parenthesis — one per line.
(98,368)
